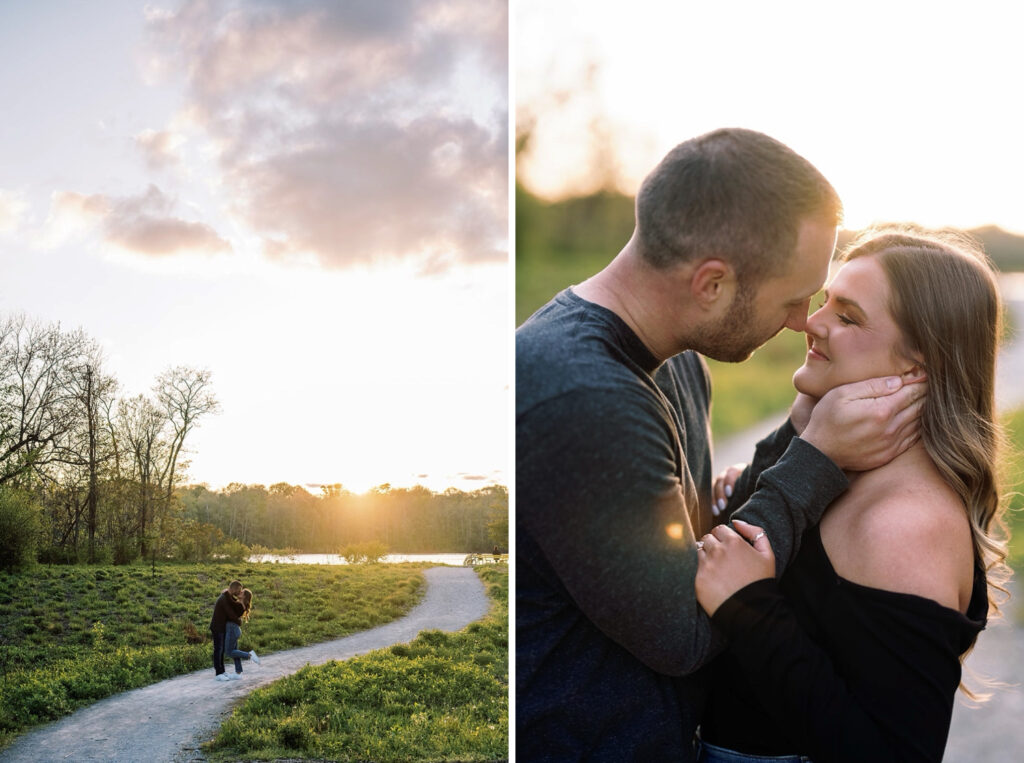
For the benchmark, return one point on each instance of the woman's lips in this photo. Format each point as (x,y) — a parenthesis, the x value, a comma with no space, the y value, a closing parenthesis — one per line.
(816,354)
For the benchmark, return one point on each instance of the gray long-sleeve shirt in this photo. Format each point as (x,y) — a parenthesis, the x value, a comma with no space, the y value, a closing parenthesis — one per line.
(613,479)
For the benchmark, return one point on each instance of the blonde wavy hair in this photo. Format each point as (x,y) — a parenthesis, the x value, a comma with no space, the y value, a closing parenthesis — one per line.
(945,298)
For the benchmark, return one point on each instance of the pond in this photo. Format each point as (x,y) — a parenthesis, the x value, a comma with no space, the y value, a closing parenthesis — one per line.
(452,559)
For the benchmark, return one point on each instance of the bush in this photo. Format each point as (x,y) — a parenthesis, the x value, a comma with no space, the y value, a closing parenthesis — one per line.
(19,528)
(370,552)
(232,550)
(57,555)
(124,550)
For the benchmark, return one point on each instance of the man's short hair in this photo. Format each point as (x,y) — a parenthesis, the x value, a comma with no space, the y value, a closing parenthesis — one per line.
(735,194)
(234,584)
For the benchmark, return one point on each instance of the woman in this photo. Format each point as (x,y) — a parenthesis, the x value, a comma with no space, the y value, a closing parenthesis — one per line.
(855,654)
(233,632)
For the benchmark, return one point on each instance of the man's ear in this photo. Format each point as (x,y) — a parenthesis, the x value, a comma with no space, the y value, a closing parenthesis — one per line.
(712,281)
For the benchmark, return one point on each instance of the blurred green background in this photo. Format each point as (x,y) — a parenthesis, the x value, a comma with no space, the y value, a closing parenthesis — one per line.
(562,243)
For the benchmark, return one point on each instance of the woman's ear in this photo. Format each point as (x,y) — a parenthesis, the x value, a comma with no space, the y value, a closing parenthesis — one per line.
(915,373)
(712,281)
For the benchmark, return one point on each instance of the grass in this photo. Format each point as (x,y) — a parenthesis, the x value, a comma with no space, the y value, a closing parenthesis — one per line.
(72,635)
(444,696)
(1014,423)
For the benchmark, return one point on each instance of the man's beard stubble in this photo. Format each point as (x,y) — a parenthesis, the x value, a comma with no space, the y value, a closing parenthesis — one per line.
(735,337)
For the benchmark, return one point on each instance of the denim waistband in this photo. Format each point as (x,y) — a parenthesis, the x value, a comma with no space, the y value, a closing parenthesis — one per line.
(709,753)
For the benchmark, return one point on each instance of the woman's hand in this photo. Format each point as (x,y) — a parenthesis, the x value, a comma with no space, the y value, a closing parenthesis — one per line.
(721,491)
(727,562)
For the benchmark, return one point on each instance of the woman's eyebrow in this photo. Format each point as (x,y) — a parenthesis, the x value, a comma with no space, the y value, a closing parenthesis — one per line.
(850,303)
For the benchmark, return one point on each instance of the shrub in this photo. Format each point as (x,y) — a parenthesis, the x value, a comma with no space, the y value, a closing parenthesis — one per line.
(19,528)
(370,552)
(124,550)
(232,550)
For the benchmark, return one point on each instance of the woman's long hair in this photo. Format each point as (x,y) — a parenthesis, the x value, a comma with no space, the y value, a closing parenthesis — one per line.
(247,603)
(945,299)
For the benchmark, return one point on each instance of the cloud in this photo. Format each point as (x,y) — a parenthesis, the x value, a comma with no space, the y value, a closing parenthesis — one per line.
(144,224)
(12,211)
(159,147)
(357,132)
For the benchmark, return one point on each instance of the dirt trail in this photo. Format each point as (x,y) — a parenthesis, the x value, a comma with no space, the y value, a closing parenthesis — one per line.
(167,721)
(992,732)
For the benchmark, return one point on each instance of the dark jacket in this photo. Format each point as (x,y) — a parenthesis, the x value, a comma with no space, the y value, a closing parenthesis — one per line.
(226,608)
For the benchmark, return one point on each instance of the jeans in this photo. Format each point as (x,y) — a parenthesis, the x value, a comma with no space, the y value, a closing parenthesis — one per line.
(218,652)
(232,634)
(709,753)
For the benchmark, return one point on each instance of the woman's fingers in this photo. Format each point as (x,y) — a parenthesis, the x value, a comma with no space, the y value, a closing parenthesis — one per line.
(723,486)
(753,534)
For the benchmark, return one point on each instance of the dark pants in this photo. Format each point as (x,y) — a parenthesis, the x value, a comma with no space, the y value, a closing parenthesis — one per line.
(218,652)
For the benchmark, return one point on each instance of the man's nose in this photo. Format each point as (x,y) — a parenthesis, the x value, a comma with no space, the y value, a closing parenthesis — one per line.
(797,320)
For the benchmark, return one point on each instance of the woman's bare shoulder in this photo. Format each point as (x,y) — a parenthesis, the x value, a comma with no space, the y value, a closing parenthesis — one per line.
(912,538)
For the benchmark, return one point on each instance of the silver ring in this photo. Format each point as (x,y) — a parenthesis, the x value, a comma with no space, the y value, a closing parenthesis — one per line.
(700,545)
(758,537)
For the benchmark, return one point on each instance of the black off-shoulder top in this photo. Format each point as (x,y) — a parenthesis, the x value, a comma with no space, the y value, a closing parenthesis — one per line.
(821,666)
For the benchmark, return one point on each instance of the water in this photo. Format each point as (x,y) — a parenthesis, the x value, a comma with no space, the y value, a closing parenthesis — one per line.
(1012,286)
(452,559)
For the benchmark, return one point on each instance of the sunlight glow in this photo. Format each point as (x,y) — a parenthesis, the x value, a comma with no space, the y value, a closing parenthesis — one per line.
(932,139)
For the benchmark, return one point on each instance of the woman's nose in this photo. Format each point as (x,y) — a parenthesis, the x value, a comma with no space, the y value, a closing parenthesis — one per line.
(815,324)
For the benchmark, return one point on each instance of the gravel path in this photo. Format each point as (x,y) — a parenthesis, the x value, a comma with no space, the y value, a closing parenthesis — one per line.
(994,731)
(167,721)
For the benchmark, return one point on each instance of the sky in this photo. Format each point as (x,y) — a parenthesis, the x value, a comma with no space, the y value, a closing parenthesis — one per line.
(913,110)
(309,199)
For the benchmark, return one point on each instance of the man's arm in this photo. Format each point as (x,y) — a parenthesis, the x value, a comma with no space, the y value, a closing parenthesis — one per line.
(767,453)
(237,609)
(598,490)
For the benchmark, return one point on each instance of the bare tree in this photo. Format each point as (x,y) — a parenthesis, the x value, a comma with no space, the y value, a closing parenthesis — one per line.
(94,391)
(140,427)
(185,396)
(38,408)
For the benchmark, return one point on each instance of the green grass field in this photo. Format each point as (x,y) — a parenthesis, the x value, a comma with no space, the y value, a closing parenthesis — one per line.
(71,635)
(1014,423)
(444,696)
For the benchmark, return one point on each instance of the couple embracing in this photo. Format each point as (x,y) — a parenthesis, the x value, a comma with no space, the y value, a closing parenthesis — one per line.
(231,608)
(817,603)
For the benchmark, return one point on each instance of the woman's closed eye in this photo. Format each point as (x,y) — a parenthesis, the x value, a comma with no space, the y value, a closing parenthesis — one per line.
(846,320)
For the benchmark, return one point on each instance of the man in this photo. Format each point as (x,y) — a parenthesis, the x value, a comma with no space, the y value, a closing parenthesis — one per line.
(734,233)
(226,608)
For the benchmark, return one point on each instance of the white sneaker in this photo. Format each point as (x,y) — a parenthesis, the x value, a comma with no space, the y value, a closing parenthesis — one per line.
(254,658)
(235,676)
(223,677)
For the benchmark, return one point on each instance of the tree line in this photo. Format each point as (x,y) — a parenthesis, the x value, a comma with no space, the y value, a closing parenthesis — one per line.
(87,472)
(402,520)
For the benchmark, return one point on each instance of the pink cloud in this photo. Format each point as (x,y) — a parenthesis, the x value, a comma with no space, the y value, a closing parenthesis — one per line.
(159,147)
(347,130)
(144,224)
